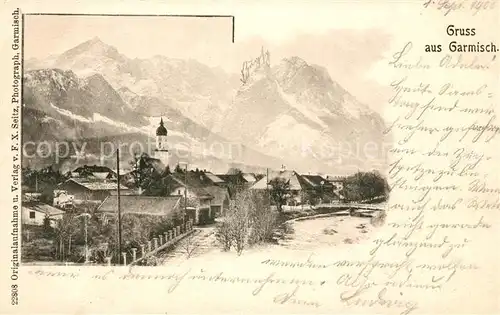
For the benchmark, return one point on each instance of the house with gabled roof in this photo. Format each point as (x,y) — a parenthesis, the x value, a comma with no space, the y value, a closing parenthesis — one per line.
(92,172)
(336,180)
(234,182)
(316,182)
(212,178)
(195,198)
(140,204)
(290,176)
(302,187)
(35,212)
(200,185)
(83,189)
(249,177)
(221,198)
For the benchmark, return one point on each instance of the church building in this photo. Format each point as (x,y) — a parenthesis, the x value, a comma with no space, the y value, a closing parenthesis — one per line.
(161,151)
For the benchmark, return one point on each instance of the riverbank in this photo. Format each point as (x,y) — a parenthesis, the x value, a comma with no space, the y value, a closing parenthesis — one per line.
(353,209)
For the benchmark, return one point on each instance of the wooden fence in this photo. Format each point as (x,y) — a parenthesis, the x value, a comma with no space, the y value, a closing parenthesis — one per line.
(156,244)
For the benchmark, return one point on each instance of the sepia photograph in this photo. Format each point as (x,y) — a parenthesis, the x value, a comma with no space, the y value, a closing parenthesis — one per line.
(330,157)
(147,146)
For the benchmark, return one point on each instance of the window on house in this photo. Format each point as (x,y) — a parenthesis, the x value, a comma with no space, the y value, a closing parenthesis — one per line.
(179,192)
(32,215)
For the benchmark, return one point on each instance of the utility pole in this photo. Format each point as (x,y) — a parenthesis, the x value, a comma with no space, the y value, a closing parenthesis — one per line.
(85,216)
(267,187)
(119,210)
(322,183)
(86,241)
(185,194)
(69,245)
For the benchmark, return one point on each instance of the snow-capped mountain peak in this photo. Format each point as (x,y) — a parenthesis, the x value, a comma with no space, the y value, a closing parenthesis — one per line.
(270,108)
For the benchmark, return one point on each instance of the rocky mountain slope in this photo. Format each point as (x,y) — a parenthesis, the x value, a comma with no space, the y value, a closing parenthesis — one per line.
(82,121)
(196,90)
(296,110)
(289,112)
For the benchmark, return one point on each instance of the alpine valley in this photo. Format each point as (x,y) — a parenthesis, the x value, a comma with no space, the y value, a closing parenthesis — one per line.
(290,112)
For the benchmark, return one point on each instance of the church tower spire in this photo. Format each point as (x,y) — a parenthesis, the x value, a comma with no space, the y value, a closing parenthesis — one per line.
(161,151)
(161,130)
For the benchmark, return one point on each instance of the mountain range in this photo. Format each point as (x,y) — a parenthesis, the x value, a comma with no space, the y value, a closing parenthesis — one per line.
(290,113)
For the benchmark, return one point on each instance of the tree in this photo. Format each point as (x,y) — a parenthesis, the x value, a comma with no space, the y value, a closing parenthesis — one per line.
(234,171)
(239,219)
(249,220)
(48,231)
(233,231)
(144,172)
(311,197)
(88,204)
(262,219)
(365,185)
(279,192)
(235,183)
(140,169)
(156,186)
(223,234)
(137,229)
(178,169)
(43,181)
(189,245)
(64,230)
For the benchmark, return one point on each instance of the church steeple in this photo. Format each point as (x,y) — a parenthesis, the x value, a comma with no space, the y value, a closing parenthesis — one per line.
(161,151)
(161,130)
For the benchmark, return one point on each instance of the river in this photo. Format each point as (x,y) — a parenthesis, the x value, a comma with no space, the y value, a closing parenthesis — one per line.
(328,231)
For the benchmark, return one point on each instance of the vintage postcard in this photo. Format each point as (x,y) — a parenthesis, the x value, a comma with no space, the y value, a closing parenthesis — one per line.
(325,157)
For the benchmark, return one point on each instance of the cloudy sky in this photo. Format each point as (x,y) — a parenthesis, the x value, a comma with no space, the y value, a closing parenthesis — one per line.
(337,41)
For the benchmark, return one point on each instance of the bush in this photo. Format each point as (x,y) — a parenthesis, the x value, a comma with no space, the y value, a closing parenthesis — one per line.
(312,198)
(189,246)
(263,220)
(138,229)
(48,231)
(249,220)
(102,238)
(38,250)
(224,236)
(238,220)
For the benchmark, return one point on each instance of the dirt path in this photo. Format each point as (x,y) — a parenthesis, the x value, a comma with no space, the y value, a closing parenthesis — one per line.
(202,241)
